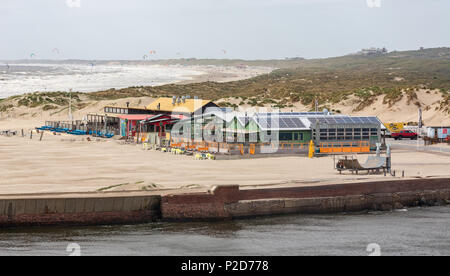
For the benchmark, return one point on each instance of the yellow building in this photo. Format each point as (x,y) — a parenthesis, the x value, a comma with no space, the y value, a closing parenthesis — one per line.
(164,105)
(180,105)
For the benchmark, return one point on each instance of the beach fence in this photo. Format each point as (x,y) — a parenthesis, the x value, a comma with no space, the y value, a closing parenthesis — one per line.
(79,127)
(239,148)
(270,148)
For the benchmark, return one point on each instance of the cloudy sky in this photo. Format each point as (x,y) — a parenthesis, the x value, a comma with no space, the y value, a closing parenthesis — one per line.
(248,29)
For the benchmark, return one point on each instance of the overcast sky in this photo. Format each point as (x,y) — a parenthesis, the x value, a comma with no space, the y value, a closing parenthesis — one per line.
(248,29)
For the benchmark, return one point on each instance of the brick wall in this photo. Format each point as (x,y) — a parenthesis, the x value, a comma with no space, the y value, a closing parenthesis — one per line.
(226,202)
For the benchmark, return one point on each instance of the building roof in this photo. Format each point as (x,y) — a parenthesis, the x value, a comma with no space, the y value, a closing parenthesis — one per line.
(136,117)
(189,106)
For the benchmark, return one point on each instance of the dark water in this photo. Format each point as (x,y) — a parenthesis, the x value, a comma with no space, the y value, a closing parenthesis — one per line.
(418,231)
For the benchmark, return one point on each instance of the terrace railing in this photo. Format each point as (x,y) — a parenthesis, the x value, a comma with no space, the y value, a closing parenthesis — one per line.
(344,147)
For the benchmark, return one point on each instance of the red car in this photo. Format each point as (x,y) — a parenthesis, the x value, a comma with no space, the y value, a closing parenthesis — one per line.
(405,134)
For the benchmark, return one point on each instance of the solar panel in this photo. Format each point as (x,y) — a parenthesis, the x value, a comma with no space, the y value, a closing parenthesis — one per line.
(280,122)
(374,120)
(365,120)
(340,120)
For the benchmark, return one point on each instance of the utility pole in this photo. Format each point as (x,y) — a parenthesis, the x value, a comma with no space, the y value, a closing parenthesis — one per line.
(420,124)
(70,106)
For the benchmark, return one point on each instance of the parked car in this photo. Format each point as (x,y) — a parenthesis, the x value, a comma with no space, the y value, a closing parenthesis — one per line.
(405,134)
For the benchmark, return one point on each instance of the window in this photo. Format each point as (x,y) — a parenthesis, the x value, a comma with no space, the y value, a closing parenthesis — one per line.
(286,136)
(298,136)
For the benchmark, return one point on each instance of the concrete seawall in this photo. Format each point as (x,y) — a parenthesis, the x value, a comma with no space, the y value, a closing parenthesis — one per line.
(228,202)
(220,203)
(79,211)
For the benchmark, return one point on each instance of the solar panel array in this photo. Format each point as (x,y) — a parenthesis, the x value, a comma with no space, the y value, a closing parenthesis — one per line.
(335,120)
(291,114)
(280,123)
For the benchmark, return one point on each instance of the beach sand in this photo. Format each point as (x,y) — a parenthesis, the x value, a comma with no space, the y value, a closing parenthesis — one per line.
(64,163)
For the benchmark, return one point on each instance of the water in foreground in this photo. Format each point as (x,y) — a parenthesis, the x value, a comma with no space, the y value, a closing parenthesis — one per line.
(417,231)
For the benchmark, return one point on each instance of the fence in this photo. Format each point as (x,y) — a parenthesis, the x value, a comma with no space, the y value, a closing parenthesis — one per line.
(238,148)
(344,147)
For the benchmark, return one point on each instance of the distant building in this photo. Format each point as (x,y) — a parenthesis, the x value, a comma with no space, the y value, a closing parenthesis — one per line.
(294,58)
(373,51)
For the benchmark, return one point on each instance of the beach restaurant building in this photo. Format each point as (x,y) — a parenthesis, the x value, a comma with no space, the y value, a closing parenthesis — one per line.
(157,117)
(293,129)
(169,106)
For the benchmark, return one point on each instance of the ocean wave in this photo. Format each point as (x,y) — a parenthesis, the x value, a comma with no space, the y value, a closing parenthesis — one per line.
(16,79)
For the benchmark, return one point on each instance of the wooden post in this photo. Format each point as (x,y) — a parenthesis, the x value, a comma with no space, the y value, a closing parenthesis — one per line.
(23,134)
(106,124)
(138,132)
(31,134)
(42,134)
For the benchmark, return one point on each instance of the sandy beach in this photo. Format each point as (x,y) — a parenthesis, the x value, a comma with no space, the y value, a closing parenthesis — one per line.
(64,163)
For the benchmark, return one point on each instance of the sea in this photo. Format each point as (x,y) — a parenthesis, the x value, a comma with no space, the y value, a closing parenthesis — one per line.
(415,231)
(18,78)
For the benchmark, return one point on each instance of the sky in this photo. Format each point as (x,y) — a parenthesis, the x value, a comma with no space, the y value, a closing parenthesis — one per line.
(245,29)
